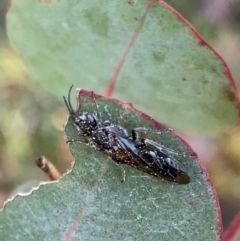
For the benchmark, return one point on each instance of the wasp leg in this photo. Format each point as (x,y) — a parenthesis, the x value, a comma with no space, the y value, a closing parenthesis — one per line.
(144,130)
(134,135)
(145,141)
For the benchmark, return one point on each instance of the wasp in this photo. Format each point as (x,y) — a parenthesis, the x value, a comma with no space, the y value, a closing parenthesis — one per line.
(113,140)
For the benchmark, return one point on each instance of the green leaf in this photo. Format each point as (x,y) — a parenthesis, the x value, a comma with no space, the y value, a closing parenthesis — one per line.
(168,71)
(91,203)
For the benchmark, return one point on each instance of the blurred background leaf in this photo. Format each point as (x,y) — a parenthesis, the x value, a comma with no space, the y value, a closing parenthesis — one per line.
(168,71)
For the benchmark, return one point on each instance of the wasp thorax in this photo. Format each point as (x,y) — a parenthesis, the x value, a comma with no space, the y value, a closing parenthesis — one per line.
(86,122)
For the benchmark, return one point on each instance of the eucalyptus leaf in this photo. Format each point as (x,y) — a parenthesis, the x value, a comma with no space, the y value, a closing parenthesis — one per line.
(91,203)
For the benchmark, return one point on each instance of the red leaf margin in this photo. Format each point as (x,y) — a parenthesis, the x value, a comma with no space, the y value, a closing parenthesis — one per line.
(202,42)
(157,125)
(233,230)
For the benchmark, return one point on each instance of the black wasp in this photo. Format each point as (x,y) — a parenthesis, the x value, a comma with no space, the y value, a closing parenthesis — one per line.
(114,140)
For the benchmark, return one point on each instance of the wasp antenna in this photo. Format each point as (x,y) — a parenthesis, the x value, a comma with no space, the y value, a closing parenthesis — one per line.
(69,99)
(68,102)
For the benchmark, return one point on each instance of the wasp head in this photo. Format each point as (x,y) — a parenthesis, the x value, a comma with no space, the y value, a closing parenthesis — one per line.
(85,122)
